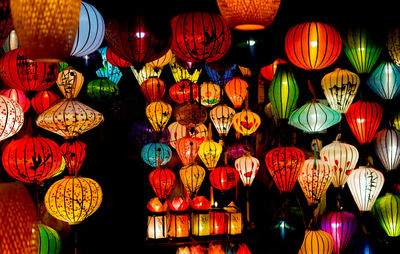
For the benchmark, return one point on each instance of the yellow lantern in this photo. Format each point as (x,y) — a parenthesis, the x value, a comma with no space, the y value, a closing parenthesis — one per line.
(200,219)
(145,73)
(181,73)
(209,151)
(235,222)
(158,113)
(246,122)
(210,94)
(192,177)
(162,61)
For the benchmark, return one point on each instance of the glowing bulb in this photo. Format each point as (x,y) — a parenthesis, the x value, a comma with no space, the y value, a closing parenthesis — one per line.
(313,43)
(251,42)
(361,49)
(140,35)
(360,120)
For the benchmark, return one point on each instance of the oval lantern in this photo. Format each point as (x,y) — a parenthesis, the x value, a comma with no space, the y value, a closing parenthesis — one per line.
(385,80)
(179,131)
(190,114)
(17,96)
(393,45)
(158,113)
(187,148)
(153,89)
(246,122)
(107,70)
(192,177)
(222,116)
(73,199)
(184,91)
(236,90)
(387,210)
(115,60)
(340,87)
(162,180)
(268,71)
(285,164)
(209,152)
(216,77)
(102,89)
(43,100)
(387,147)
(224,178)
(316,241)
(180,73)
(156,154)
(313,45)
(247,166)
(50,241)
(74,153)
(365,184)
(210,94)
(364,118)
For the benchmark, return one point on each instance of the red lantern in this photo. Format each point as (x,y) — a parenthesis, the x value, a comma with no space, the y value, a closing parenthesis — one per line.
(268,71)
(115,60)
(19,72)
(364,118)
(224,178)
(162,180)
(236,90)
(184,91)
(74,154)
(154,205)
(5,21)
(153,89)
(200,37)
(219,221)
(200,203)
(17,96)
(187,148)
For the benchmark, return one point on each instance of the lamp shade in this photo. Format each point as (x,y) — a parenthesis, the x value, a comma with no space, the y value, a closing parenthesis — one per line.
(313,45)
(387,210)
(222,116)
(387,147)
(268,71)
(107,70)
(285,164)
(247,166)
(43,100)
(17,96)
(145,73)
(153,89)
(50,241)
(236,90)
(73,199)
(12,117)
(210,94)
(187,148)
(102,89)
(184,91)
(156,154)
(246,122)
(161,61)
(162,180)
(393,45)
(158,113)
(179,131)
(224,178)
(385,80)
(316,241)
(74,153)
(220,77)
(209,153)
(364,118)
(190,114)
(192,177)
(340,87)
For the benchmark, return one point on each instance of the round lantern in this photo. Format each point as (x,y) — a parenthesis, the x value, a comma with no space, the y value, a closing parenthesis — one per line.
(90,32)
(46,31)
(158,113)
(314,117)
(180,73)
(5,21)
(153,89)
(285,164)
(179,131)
(236,90)
(73,199)
(361,48)
(314,179)
(32,159)
(224,178)
(341,226)
(19,72)
(192,177)
(115,60)
(387,211)
(187,148)
(385,80)
(365,183)
(216,77)
(393,45)
(210,94)
(156,154)
(190,114)
(364,118)
(12,117)
(184,91)
(247,166)
(50,241)
(387,147)
(238,149)
(283,92)
(340,87)
(342,158)
(222,117)
(74,154)
(107,70)
(102,89)
(316,241)
(162,61)
(268,71)
(43,100)
(209,152)
(246,122)
(313,45)
(145,73)
(162,180)
(17,96)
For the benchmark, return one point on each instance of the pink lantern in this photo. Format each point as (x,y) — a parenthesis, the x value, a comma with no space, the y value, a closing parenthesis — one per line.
(18,96)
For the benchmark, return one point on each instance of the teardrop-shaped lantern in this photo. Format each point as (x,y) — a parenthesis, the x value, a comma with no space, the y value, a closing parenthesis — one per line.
(246,122)
(316,241)
(156,154)
(187,148)
(385,80)
(224,178)
(158,113)
(178,131)
(219,79)
(162,180)
(74,154)
(190,114)
(340,88)
(393,45)
(365,183)
(236,90)
(209,152)
(70,82)
(269,71)
(247,166)
(153,89)
(192,177)
(387,147)
(210,94)
(181,73)
(222,116)
(387,210)
(184,91)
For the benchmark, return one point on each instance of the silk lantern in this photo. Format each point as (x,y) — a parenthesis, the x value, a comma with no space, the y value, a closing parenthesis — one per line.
(46,31)
(145,73)
(365,183)
(74,153)
(70,82)
(5,21)
(209,152)
(222,116)
(340,87)
(17,96)
(216,76)
(269,71)
(156,154)
(153,89)
(184,91)
(364,118)
(384,80)
(179,73)
(43,100)
(387,210)
(157,226)
(283,92)
(387,147)
(316,241)
(313,45)
(285,164)
(238,149)
(73,199)
(224,178)
(236,90)
(107,70)
(210,94)
(393,45)
(179,221)
(246,122)
(342,158)
(161,61)
(200,219)
(179,131)
(187,148)
(115,60)
(102,89)
(247,166)
(234,219)
(190,114)
(162,180)
(50,241)
(219,223)
(158,113)
(12,117)
(192,177)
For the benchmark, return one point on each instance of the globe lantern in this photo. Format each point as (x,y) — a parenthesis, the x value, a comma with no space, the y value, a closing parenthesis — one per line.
(180,73)
(102,89)
(153,89)
(316,241)
(157,225)
(162,180)
(73,199)
(246,122)
(216,76)
(187,148)
(365,184)
(247,166)
(384,80)
(74,153)
(17,96)
(269,71)
(340,87)
(190,114)
(156,154)
(50,241)
(364,118)
(192,177)
(387,210)
(115,60)
(179,131)
(158,113)
(285,164)
(161,61)
(210,94)
(387,147)
(222,116)
(184,91)
(145,73)
(393,45)
(6,22)
(313,45)
(12,117)
(107,70)
(43,100)
(236,90)
(224,178)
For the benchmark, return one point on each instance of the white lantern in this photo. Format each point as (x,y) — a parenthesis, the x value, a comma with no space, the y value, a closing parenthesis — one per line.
(157,226)
(11,118)
(178,131)
(247,166)
(222,116)
(387,147)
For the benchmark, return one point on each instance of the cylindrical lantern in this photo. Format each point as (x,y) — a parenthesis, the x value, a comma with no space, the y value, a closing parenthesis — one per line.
(393,45)
(340,88)
(222,116)
(43,100)
(102,89)
(387,210)
(73,199)
(162,180)
(12,117)
(184,91)
(181,73)
(316,241)
(74,154)
(156,154)
(285,164)
(387,147)
(192,177)
(385,80)
(236,90)
(247,166)
(210,94)
(313,45)
(179,131)
(341,226)
(224,178)
(234,219)
(158,113)
(17,96)
(153,89)
(187,148)
(246,122)
(200,219)
(50,241)
(365,184)
(269,71)
(219,225)
(364,118)
(157,226)
(215,76)
(107,70)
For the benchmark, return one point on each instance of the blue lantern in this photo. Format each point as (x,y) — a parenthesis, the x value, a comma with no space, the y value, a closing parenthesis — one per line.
(216,77)
(156,154)
(385,80)
(108,70)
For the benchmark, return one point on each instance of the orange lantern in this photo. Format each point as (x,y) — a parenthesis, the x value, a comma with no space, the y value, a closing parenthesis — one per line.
(246,122)
(268,71)
(43,100)
(200,219)
(178,218)
(219,221)
(192,177)
(187,148)
(162,180)
(236,90)
(157,219)
(184,91)
(153,89)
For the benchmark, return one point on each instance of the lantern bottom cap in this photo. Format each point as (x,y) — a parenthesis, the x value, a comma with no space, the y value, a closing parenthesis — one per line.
(249,27)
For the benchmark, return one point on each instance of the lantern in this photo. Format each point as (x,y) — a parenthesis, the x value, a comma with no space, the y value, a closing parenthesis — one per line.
(32,159)
(162,61)
(107,70)
(190,114)
(73,199)
(361,49)
(316,241)
(158,113)
(216,78)
(145,73)
(43,100)
(246,122)
(285,164)
(313,45)
(364,118)
(387,147)
(5,21)
(162,180)
(314,117)
(184,91)
(70,82)
(74,153)
(200,220)
(17,96)
(209,153)
(46,31)
(224,178)
(393,45)
(222,117)
(12,117)
(181,73)
(210,94)
(365,183)
(12,39)
(340,88)
(384,80)
(387,211)
(314,179)
(237,150)
(156,154)
(115,60)
(102,89)
(236,90)
(192,29)
(271,113)
(50,241)
(269,71)
(219,225)
(283,92)
(342,158)
(179,131)
(234,219)
(247,166)
(179,221)
(192,177)
(153,89)
(243,249)
(18,218)
(187,148)
(61,169)
(341,226)
(90,32)
(143,133)
(157,219)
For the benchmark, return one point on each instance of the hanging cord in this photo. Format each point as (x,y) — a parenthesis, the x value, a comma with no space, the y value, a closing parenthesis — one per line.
(312,90)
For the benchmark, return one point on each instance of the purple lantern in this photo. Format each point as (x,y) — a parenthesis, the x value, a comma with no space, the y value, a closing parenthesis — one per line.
(237,150)
(142,133)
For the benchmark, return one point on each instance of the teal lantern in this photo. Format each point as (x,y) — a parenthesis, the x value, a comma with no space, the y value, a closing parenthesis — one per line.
(49,242)
(385,80)
(108,70)
(102,89)
(156,154)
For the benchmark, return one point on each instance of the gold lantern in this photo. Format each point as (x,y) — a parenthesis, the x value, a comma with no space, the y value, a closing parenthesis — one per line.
(234,217)
(181,73)
(70,82)
(200,219)
(210,94)
(192,177)
(145,73)
(209,151)
(246,122)
(158,113)
(162,61)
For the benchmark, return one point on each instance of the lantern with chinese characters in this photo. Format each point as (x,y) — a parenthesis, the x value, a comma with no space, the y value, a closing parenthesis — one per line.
(216,77)
(160,62)
(236,90)
(210,94)
(222,116)
(192,177)
(162,180)
(190,114)
(316,241)
(246,122)
(179,221)
(387,147)
(102,89)
(153,89)
(70,82)
(158,113)
(313,45)
(116,61)
(12,117)
(224,178)
(234,219)
(219,225)
(387,210)
(179,131)
(157,219)
(365,184)
(364,118)
(340,88)
(50,241)
(107,70)
(43,100)
(393,45)
(187,148)
(210,151)
(269,71)
(247,166)
(284,164)
(384,80)
(156,154)
(181,73)
(17,96)
(341,226)
(73,199)
(74,153)
(200,219)
(184,91)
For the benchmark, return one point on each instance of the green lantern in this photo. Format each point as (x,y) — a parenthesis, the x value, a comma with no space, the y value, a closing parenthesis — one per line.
(283,91)
(50,242)
(102,89)
(361,49)
(387,211)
